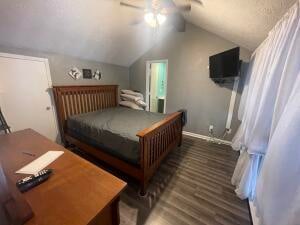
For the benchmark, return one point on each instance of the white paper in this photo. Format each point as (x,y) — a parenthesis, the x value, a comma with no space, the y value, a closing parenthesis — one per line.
(40,163)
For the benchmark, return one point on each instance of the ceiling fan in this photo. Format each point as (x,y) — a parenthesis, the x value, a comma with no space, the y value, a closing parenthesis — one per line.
(157,12)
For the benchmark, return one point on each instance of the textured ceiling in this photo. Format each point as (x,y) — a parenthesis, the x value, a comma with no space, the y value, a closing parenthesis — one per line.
(244,22)
(90,29)
(100,29)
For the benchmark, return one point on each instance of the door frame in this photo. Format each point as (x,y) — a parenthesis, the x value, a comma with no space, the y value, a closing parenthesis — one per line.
(148,72)
(48,76)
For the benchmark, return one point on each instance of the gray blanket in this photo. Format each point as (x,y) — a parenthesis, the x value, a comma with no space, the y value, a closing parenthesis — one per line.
(113,130)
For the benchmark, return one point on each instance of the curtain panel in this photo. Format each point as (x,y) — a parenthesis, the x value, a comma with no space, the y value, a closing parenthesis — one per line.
(269,111)
(278,187)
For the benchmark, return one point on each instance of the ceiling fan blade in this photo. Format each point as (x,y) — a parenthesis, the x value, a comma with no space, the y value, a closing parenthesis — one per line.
(178,21)
(132,6)
(136,21)
(199,2)
(172,8)
(184,8)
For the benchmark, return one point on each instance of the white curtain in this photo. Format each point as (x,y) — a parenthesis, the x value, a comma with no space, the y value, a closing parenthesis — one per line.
(271,77)
(278,188)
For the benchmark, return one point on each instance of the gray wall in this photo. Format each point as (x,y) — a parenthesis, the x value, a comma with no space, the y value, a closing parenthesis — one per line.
(60,66)
(189,85)
(235,122)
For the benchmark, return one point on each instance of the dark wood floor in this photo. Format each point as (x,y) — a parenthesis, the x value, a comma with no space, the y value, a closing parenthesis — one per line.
(192,186)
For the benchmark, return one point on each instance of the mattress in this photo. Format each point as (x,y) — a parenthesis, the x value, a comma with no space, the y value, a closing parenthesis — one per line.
(113,130)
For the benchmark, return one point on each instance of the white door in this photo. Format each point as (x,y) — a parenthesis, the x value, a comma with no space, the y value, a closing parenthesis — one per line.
(24,94)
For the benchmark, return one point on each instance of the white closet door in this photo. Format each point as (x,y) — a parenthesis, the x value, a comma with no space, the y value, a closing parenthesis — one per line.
(24,95)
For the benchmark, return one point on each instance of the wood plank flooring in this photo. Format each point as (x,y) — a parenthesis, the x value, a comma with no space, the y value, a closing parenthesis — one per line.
(192,186)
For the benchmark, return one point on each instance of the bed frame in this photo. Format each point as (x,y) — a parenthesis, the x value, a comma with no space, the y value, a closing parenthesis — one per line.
(155,141)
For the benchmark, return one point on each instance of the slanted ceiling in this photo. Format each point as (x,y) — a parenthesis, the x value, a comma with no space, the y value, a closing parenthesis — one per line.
(244,22)
(101,30)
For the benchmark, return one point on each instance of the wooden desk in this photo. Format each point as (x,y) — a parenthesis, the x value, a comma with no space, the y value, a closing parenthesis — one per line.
(77,193)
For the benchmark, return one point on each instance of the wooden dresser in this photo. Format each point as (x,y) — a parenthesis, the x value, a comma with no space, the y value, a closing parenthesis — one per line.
(77,193)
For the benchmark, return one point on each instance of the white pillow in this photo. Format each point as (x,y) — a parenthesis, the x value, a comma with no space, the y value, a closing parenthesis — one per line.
(128,97)
(131,105)
(141,103)
(130,92)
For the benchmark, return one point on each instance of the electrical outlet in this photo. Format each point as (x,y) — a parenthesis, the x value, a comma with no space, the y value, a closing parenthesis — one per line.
(211,128)
(228,131)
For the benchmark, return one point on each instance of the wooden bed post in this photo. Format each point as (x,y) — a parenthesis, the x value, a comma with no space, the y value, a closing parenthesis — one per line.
(144,185)
(58,98)
(180,138)
(143,161)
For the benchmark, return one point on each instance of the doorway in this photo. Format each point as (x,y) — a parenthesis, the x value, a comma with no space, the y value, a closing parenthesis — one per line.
(156,85)
(25,97)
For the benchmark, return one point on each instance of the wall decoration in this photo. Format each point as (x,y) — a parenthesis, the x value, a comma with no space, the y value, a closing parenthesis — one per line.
(97,75)
(75,73)
(87,74)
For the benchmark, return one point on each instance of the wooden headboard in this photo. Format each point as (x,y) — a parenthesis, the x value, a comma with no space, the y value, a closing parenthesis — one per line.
(72,100)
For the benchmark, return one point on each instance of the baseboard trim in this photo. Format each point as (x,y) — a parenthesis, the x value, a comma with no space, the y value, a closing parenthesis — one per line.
(206,137)
(254,218)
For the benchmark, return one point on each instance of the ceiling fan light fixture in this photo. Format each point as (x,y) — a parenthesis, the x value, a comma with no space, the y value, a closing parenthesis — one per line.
(154,20)
(161,18)
(150,19)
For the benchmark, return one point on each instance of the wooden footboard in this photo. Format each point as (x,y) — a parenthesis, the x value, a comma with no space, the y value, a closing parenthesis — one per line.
(157,141)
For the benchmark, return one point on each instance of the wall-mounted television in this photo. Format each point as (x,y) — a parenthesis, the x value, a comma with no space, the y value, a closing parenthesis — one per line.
(225,64)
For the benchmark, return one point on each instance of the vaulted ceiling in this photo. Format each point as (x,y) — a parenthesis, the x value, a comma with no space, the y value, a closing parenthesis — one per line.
(101,30)
(244,22)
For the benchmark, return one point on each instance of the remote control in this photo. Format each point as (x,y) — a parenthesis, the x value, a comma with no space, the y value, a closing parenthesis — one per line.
(27,183)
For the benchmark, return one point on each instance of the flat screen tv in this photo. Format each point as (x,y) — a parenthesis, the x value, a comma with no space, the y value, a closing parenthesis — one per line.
(225,64)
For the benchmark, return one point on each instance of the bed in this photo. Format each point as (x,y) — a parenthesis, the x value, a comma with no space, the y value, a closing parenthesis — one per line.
(133,141)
